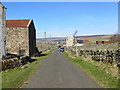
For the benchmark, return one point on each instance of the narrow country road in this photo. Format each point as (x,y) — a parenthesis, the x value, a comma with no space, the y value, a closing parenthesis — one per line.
(57,71)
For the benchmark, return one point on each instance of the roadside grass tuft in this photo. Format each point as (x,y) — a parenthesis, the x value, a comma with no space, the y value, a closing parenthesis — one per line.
(14,78)
(100,76)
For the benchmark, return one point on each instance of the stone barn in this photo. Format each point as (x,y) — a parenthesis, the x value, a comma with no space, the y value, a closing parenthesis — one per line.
(2,30)
(21,37)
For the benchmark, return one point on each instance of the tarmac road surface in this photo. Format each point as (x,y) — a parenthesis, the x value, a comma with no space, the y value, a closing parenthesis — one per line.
(57,71)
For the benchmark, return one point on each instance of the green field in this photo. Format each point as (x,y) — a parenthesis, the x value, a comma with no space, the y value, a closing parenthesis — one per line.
(93,46)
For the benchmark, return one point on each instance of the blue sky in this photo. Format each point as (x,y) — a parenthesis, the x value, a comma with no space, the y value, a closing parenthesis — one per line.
(61,19)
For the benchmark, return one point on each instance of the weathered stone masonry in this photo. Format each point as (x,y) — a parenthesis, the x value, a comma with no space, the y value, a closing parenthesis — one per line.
(2,30)
(21,37)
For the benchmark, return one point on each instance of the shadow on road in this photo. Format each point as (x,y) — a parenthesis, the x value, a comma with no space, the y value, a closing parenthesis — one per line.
(43,55)
(25,60)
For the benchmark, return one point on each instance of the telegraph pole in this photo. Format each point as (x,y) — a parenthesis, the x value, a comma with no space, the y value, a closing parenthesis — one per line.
(45,35)
(45,39)
(75,43)
(76,47)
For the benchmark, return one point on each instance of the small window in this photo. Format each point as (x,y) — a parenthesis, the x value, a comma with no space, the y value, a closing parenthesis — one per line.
(102,41)
(21,52)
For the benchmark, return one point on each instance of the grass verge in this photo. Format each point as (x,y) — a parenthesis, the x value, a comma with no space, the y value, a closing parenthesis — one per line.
(102,78)
(14,78)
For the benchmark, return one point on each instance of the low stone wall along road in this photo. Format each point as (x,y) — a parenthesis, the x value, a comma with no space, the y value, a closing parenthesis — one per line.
(57,71)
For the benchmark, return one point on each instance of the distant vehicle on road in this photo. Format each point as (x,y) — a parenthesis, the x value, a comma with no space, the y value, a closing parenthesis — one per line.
(61,49)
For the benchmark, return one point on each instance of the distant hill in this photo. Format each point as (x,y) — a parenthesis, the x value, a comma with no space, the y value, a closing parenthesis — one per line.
(52,38)
(89,37)
(92,36)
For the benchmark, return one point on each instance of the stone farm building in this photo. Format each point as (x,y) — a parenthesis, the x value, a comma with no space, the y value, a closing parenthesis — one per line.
(21,37)
(70,41)
(2,30)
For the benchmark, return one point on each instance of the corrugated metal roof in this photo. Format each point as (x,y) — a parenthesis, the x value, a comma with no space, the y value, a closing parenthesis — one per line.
(79,41)
(18,23)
